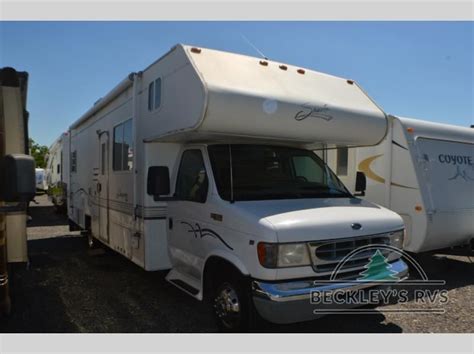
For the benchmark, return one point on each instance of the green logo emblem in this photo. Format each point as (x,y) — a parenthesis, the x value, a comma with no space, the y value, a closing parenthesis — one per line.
(378,269)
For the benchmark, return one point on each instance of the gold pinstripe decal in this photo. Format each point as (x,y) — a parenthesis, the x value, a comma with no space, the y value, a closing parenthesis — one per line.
(364,166)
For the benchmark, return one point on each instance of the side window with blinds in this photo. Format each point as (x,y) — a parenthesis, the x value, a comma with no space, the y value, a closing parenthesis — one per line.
(123,147)
(154,95)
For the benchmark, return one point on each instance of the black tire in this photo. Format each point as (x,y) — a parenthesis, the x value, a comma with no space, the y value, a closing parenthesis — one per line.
(232,303)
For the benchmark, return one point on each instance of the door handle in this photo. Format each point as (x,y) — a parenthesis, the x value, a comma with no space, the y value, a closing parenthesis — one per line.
(99,187)
(170,223)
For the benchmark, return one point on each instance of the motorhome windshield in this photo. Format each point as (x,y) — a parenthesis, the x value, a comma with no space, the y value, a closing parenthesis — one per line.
(262,172)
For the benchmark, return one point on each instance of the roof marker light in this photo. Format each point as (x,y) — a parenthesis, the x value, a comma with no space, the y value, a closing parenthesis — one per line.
(410,130)
(283,67)
(196,50)
(264,62)
(350,82)
(300,71)
(418,208)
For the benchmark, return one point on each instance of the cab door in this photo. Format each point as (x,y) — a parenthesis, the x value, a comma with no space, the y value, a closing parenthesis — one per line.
(187,214)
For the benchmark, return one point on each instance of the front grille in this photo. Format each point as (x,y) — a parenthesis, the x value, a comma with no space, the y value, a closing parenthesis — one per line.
(327,255)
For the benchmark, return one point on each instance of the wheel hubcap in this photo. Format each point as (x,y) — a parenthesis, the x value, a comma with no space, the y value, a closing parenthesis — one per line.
(227,306)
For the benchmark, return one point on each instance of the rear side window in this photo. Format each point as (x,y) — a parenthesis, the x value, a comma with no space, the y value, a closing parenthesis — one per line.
(192,183)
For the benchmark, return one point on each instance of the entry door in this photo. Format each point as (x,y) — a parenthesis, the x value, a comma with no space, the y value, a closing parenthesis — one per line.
(103,188)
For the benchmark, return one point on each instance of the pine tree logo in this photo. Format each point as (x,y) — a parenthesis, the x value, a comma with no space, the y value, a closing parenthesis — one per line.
(378,269)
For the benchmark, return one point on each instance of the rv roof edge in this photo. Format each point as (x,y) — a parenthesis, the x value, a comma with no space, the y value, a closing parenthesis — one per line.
(243,99)
(122,86)
(436,130)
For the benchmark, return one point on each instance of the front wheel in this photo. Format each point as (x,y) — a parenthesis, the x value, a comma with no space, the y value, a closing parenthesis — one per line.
(232,305)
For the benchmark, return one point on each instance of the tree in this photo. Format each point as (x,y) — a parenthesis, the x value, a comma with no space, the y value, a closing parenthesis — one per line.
(38,152)
(378,269)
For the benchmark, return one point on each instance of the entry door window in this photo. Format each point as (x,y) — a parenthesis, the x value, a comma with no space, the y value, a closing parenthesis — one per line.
(192,183)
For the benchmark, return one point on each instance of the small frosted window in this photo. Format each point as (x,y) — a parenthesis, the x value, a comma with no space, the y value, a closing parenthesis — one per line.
(151,95)
(154,95)
(342,161)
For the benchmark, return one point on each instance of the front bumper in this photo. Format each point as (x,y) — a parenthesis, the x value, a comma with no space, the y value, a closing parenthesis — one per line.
(289,302)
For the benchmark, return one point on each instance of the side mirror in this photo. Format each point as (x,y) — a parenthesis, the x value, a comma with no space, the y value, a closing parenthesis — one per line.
(158,181)
(17,178)
(361,184)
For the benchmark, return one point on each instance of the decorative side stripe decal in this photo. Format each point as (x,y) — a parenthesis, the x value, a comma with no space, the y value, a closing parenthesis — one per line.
(198,232)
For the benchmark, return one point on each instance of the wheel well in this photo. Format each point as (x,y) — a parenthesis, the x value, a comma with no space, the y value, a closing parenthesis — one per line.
(215,268)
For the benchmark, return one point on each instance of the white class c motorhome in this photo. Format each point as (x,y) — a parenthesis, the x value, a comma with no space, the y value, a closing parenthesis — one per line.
(425,172)
(57,171)
(200,164)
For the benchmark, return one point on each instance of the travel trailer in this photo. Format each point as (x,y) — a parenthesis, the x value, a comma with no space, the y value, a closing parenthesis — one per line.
(424,171)
(57,172)
(201,164)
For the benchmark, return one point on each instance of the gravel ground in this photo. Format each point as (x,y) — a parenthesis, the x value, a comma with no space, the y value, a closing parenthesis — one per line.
(67,288)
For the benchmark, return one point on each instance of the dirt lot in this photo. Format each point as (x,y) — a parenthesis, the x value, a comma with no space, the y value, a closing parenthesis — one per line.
(67,288)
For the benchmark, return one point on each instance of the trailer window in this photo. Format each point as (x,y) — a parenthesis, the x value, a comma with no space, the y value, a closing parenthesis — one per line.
(151,94)
(74,161)
(123,147)
(192,183)
(154,95)
(342,161)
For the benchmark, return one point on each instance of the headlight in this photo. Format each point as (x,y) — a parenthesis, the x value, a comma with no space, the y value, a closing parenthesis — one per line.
(396,240)
(273,255)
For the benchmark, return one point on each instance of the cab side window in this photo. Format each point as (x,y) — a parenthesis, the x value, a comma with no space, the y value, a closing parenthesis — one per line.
(192,183)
